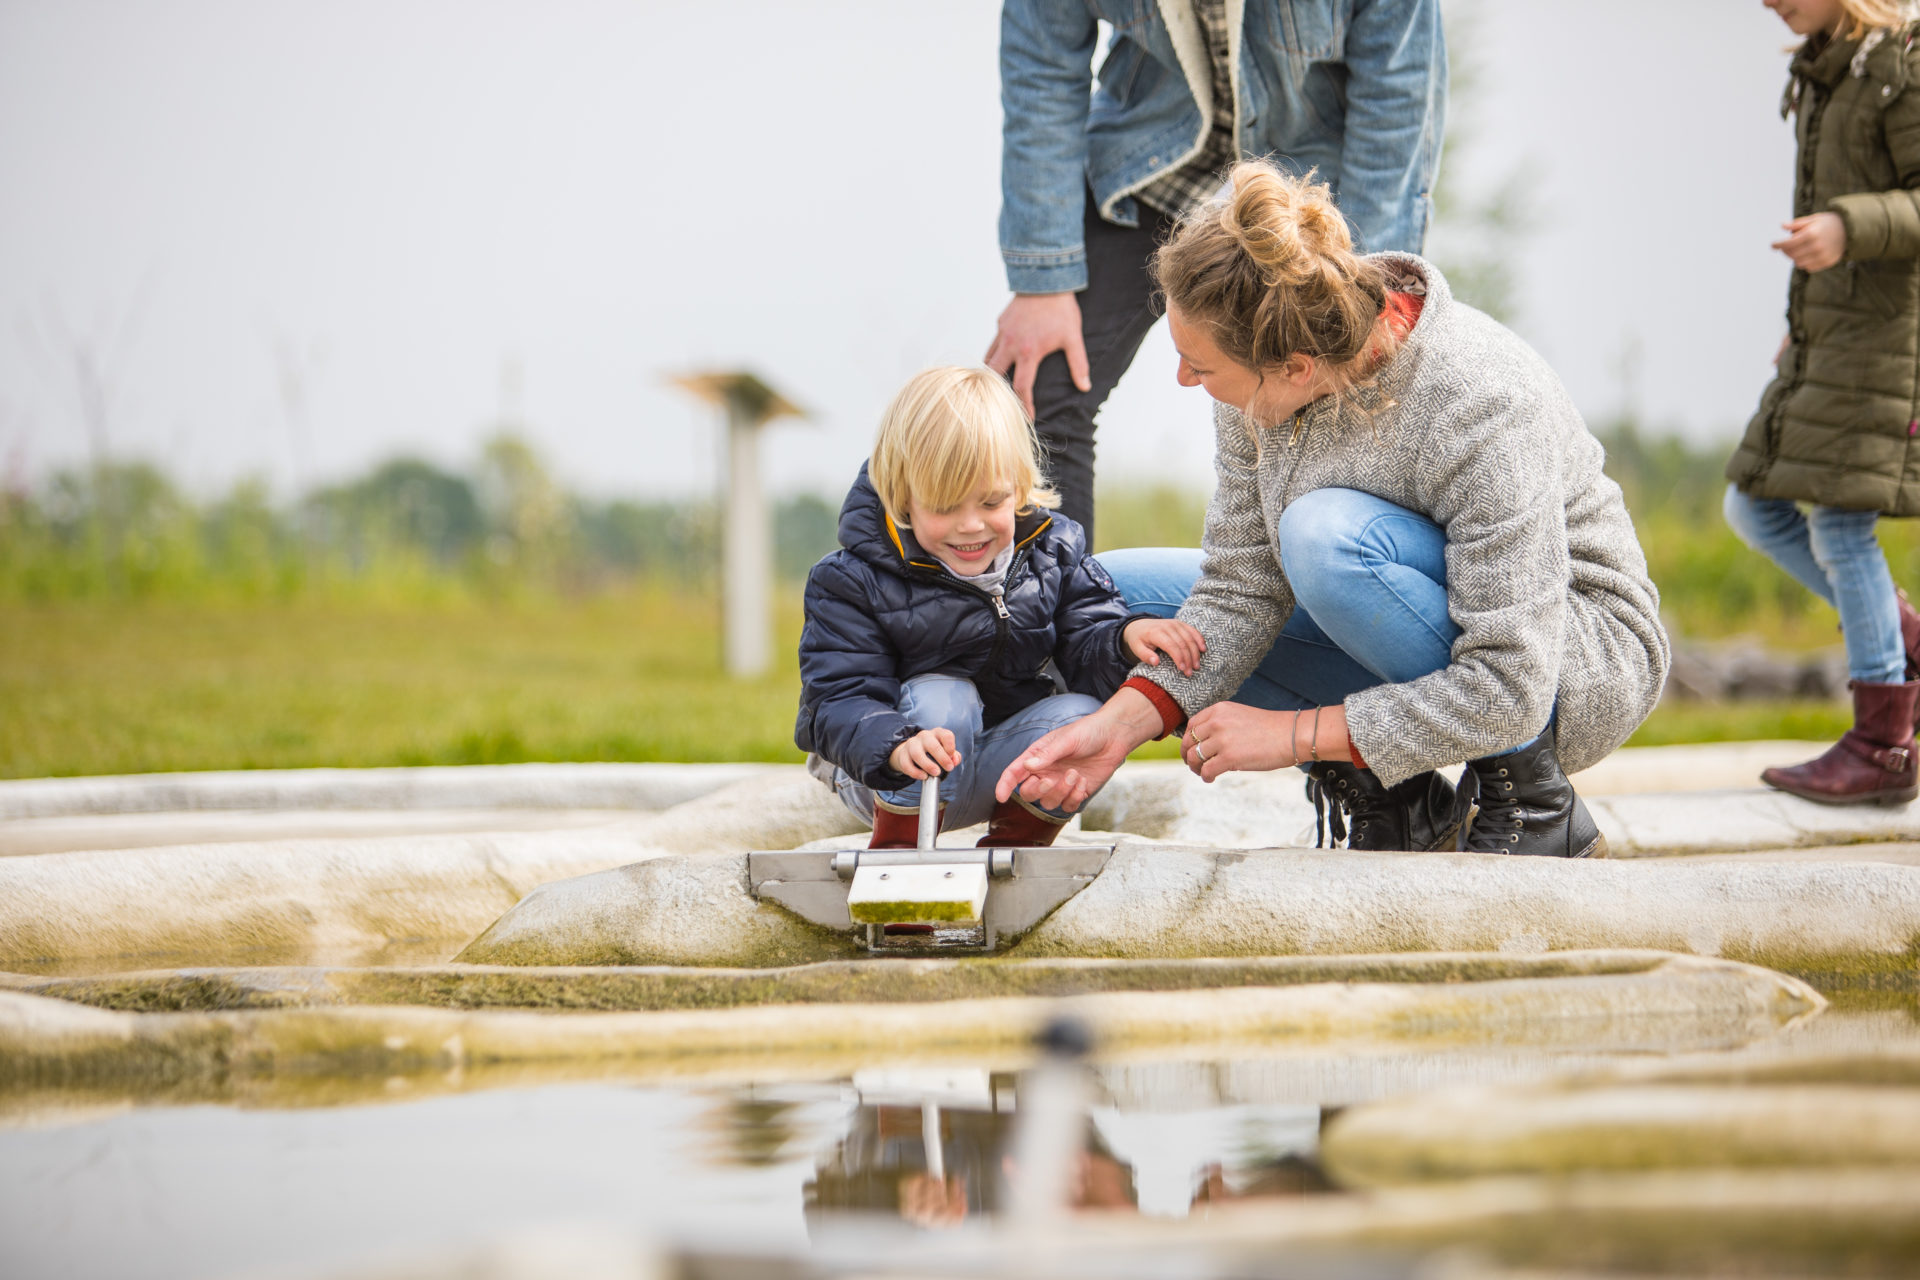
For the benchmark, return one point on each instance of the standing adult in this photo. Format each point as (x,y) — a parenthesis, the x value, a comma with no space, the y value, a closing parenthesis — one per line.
(1092,178)
(1412,557)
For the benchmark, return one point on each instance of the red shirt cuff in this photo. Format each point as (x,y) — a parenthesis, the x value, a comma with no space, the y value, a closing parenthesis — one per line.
(1358,763)
(1171,716)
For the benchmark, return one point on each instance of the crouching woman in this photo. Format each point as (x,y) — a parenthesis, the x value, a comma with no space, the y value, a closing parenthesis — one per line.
(1412,557)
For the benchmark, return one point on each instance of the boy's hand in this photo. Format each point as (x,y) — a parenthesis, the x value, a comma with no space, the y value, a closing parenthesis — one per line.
(1816,242)
(1151,637)
(926,754)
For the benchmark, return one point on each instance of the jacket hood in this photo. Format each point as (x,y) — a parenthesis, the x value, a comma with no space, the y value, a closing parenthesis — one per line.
(869,532)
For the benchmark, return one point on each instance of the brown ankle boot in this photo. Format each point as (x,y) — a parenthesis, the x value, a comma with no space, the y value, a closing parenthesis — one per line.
(1873,761)
(1014,826)
(898,828)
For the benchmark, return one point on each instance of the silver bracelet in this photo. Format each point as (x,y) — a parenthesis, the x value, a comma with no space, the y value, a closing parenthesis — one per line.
(1313,737)
(1293,739)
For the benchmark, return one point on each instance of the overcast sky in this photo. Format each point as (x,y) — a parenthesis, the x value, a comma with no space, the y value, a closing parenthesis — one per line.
(299,237)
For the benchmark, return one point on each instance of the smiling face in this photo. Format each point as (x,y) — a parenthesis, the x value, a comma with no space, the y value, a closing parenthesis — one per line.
(1806,17)
(1274,398)
(969,535)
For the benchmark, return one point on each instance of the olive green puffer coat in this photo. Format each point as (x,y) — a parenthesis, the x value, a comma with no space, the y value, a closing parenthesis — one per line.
(1838,425)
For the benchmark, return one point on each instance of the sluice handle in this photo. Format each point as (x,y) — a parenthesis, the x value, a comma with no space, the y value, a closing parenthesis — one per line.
(929,810)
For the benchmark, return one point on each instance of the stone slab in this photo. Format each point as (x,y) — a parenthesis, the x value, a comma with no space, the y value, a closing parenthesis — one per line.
(1629,1126)
(1719,809)
(45,1041)
(493,786)
(304,900)
(247,826)
(1157,901)
(629,988)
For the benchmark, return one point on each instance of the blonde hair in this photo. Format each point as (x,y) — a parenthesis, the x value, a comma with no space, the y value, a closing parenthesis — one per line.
(948,432)
(1870,15)
(1271,272)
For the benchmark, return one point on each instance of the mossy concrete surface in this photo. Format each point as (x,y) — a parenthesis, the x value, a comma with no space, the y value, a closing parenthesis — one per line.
(892,980)
(1625,1128)
(350,898)
(1862,1221)
(1851,922)
(45,1041)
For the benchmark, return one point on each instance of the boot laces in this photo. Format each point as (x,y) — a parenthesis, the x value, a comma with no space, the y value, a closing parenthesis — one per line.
(1328,811)
(1499,810)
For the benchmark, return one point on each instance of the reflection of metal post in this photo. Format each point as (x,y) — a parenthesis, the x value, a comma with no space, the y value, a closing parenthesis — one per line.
(746,538)
(930,1139)
(1051,1131)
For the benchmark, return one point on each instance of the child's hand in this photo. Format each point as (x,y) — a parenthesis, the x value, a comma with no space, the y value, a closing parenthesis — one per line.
(925,754)
(1151,637)
(1817,241)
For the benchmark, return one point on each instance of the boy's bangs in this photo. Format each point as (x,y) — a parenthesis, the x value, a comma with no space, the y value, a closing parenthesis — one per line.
(957,462)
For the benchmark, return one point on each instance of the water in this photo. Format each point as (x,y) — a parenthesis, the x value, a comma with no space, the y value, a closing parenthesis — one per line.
(107,1187)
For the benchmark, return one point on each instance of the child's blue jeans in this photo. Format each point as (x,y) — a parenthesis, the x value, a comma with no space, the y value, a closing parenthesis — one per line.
(1369,580)
(1835,554)
(951,702)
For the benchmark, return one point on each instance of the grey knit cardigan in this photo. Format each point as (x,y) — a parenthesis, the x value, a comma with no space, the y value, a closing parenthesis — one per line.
(1468,426)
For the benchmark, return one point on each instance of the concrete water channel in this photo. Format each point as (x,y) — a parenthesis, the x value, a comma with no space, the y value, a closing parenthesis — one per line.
(532,1020)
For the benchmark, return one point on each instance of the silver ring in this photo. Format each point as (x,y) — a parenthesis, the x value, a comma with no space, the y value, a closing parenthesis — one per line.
(1199,750)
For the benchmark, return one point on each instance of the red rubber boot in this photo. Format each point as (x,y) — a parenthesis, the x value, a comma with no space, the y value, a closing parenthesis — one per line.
(1014,826)
(897,828)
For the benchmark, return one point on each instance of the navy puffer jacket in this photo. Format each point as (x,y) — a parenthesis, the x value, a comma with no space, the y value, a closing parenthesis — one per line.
(881,610)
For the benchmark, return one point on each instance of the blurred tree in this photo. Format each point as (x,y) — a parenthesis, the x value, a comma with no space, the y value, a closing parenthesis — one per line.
(407,506)
(804,529)
(1478,221)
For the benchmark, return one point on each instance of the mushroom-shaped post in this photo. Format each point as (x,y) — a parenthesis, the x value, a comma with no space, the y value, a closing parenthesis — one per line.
(746,535)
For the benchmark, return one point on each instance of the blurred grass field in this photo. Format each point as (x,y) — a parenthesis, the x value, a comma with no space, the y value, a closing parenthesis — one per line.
(142,632)
(141,686)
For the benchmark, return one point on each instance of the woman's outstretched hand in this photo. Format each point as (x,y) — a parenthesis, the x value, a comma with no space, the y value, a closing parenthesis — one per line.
(1063,769)
(1230,737)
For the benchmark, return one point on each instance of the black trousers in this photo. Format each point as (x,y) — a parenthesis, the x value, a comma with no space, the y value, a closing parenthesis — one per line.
(1117,308)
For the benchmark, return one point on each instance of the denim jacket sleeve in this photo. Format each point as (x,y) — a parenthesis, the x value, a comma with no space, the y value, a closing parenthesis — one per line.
(1396,58)
(1046,81)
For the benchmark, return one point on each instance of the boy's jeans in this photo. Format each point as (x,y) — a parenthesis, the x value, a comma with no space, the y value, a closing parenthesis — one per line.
(1834,554)
(1370,584)
(951,702)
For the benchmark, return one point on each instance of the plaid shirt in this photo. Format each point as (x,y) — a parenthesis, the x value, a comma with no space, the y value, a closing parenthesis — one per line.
(1178,190)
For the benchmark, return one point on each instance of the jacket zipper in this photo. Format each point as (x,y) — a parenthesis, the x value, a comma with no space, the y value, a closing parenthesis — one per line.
(1001,615)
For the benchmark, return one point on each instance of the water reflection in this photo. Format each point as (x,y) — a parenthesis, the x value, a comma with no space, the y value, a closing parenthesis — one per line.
(148,1184)
(937,1149)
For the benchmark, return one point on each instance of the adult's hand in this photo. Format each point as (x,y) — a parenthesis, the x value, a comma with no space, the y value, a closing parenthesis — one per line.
(1033,327)
(1068,765)
(1230,737)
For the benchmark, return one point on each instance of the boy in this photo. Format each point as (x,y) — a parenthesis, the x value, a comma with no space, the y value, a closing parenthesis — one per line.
(938,636)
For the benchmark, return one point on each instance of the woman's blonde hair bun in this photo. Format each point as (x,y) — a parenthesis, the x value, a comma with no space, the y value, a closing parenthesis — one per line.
(1270,269)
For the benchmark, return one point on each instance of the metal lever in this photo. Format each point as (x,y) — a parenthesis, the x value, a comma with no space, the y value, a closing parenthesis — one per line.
(929,810)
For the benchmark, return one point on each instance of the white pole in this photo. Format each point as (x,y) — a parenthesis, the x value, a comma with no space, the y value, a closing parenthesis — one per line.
(747,551)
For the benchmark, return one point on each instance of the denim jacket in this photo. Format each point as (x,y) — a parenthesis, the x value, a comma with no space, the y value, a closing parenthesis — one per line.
(1355,89)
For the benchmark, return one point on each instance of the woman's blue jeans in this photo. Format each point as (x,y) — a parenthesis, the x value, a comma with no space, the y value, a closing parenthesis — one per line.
(1836,555)
(951,702)
(1369,580)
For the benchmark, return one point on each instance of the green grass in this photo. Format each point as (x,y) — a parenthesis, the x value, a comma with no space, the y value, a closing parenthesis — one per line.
(131,687)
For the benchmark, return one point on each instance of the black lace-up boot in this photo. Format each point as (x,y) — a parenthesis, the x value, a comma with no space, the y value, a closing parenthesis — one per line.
(1527,806)
(1416,816)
